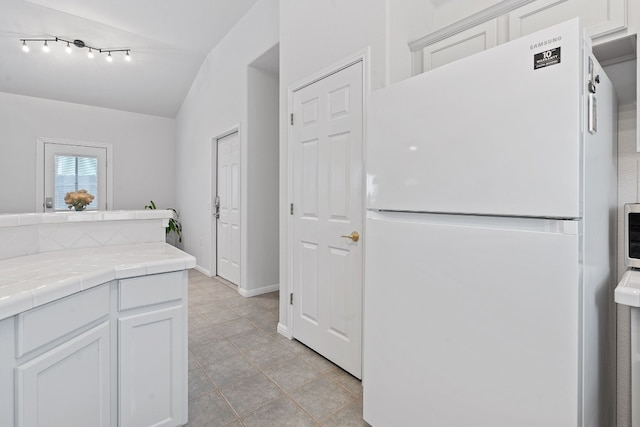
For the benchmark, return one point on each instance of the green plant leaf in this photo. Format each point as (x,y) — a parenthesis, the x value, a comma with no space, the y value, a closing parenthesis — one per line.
(174,225)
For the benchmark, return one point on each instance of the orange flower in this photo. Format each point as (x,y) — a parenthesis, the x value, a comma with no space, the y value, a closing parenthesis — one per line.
(78,199)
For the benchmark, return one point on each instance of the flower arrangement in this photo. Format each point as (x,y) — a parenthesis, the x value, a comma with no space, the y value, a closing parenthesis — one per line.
(78,199)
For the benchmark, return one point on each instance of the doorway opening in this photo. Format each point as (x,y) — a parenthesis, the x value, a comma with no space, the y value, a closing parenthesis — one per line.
(262,176)
(246,252)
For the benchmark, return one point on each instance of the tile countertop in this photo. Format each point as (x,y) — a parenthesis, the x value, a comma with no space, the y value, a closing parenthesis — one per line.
(30,281)
(13,220)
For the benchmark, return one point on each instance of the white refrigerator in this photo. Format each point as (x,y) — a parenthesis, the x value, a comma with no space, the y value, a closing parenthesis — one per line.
(491,197)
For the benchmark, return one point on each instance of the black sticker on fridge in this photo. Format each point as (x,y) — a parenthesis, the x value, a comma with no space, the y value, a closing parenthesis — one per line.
(546,58)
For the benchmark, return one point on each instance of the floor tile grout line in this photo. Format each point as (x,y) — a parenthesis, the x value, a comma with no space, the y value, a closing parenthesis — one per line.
(219,391)
(322,374)
(326,374)
(285,393)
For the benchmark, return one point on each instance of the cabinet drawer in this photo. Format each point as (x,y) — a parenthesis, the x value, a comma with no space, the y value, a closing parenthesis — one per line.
(49,322)
(148,290)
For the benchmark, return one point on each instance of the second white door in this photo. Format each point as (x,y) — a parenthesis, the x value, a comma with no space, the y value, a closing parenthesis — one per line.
(327,217)
(228,224)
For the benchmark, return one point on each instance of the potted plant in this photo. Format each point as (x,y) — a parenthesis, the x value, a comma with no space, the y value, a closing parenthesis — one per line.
(174,223)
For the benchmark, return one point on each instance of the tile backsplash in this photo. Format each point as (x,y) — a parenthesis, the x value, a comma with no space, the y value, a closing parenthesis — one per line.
(30,234)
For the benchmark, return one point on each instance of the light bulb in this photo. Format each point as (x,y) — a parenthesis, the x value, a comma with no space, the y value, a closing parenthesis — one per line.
(68,48)
(127,57)
(45,47)
(90,54)
(109,57)
(25,48)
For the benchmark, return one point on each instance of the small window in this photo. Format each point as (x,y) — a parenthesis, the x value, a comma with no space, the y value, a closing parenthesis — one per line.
(68,166)
(75,173)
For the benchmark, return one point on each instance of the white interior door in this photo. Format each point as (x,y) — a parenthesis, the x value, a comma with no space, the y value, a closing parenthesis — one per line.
(327,206)
(68,168)
(228,227)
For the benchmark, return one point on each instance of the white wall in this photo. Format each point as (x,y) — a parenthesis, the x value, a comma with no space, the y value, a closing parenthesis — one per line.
(217,102)
(143,149)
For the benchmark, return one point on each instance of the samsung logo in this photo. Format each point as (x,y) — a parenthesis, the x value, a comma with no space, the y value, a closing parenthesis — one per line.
(545,43)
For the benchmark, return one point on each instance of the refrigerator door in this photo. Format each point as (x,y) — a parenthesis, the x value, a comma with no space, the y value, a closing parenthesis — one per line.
(496,133)
(471,321)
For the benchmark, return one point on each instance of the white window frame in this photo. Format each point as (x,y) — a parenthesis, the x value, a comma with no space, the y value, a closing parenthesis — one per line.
(40,144)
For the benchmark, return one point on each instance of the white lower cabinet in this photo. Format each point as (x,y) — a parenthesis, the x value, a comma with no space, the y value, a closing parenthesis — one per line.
(152,369)
(152,350)
(113,355)
(69,385)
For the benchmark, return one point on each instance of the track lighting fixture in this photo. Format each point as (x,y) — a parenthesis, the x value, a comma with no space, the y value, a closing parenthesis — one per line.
(77,43)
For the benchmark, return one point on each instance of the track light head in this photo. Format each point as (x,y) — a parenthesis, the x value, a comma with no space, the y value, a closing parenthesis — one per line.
(45,47)
(25,48)
(90,54)
(68,48)
(109,57)
(127,57)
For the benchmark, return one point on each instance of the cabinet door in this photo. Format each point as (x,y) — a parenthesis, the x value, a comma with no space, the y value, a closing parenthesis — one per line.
(69,385)
(153,368)
(599,17)
(463,44)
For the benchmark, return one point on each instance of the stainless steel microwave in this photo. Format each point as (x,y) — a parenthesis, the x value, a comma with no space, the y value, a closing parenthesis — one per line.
(632,235)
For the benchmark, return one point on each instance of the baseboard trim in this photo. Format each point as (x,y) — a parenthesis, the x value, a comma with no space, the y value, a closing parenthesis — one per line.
(259,291)
(203,270)
(284,330)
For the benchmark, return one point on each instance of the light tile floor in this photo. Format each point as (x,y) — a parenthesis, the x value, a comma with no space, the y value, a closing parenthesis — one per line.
(243,373)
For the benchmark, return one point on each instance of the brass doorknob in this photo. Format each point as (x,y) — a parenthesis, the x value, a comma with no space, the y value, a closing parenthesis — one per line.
(353,236)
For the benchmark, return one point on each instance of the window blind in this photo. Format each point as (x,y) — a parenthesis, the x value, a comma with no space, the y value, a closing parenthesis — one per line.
(75,173)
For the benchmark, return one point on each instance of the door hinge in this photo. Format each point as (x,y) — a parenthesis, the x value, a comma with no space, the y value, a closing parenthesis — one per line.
(291,119)
(291,298)
(291,209)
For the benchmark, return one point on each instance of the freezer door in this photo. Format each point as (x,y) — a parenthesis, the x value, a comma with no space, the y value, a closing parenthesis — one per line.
(494,133)
(471,323)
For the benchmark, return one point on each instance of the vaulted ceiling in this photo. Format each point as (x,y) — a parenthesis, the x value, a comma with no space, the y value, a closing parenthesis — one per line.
(168,40)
